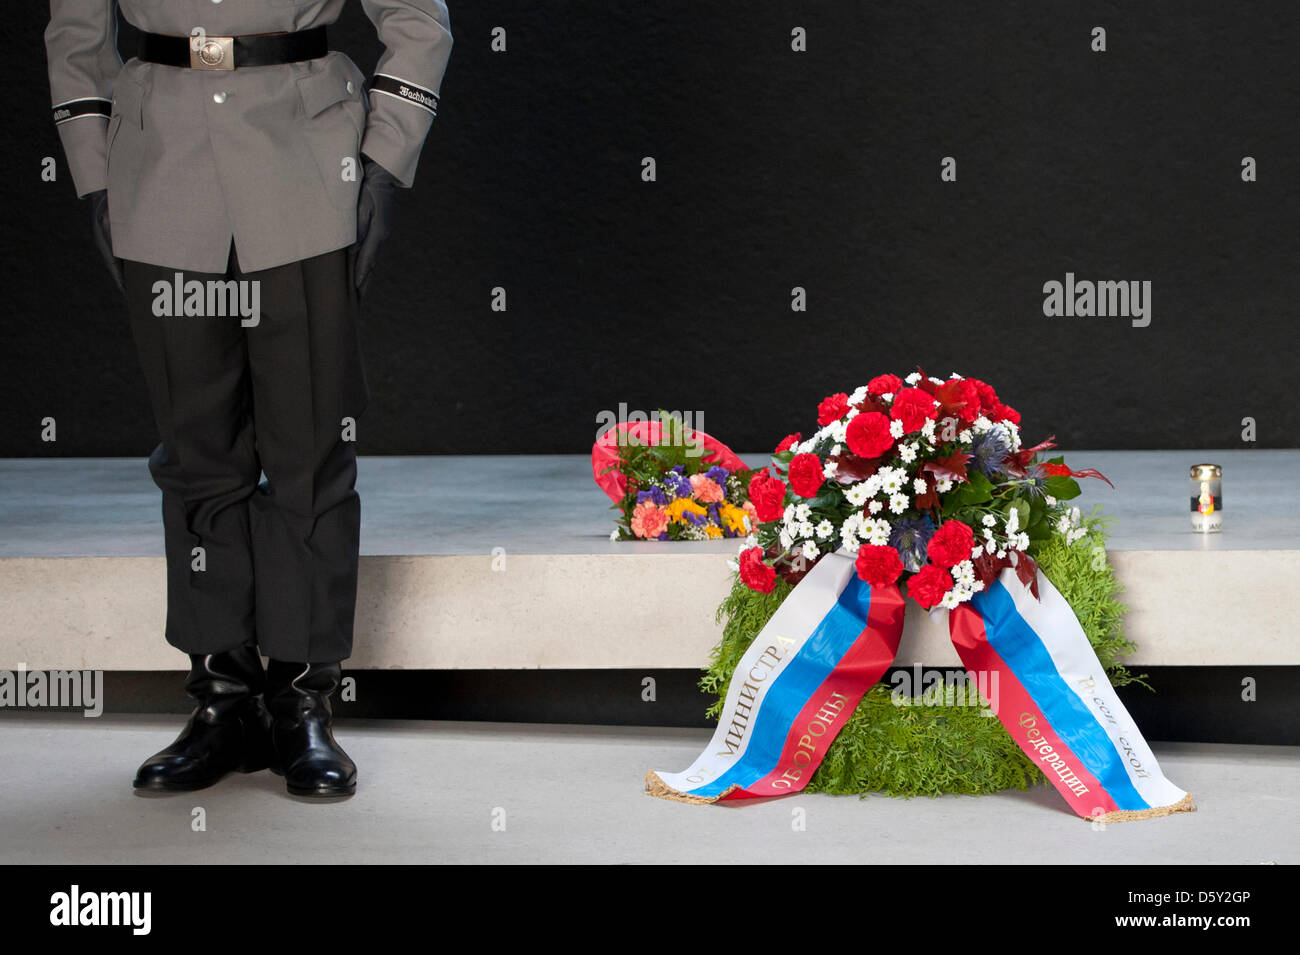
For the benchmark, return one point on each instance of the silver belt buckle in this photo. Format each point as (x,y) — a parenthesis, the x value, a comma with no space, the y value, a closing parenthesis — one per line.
(212,53)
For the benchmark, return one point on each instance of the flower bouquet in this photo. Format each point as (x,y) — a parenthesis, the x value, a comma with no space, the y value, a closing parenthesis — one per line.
(924,485)
(669,482)
(923,481)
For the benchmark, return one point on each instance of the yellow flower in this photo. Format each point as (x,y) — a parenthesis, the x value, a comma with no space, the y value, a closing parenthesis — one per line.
(712,530)
(733,517)
(683,505)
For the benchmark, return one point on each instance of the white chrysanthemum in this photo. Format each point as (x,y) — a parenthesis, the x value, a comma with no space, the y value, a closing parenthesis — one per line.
(1049,500)
(887,397)
(872,484)
(1013,521)
(943,486)
(913,378)
(858,394)
(857,495)
(1078,534)
(1001,554)
(949,601)
(965,436)
(928,427)
(918,486)
(786,539)
(981,425)
(891,479)
(613,535)
(964,573)
(825,529)
(1063,524)
(802,512)
(896,429)
(1022,541)
(810,550)
(829,469)
(788,514)
(989,520)
(898,503)
(806,529)
(976,551)
(875,507)
(907,452)
(988,534)
(990,547)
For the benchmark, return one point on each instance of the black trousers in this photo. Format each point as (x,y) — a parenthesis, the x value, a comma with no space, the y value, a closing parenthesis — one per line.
(257,457)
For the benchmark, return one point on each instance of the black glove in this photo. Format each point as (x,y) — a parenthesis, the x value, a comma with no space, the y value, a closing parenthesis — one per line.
(104,238)
(374,218)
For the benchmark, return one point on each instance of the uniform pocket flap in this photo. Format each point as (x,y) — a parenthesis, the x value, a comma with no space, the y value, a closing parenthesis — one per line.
(323,89)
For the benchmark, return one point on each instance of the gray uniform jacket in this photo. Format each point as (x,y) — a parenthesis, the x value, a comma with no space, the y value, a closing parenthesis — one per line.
(266,156)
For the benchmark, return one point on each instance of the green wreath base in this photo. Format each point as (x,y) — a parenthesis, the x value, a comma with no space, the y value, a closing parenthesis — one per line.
(930,750)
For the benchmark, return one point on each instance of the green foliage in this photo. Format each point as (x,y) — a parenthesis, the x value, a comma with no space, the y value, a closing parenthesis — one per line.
(931,750)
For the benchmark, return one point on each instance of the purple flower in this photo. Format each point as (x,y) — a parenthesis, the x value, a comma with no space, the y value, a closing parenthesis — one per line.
(910,537)
(989,451)
(717,475)
(654,495)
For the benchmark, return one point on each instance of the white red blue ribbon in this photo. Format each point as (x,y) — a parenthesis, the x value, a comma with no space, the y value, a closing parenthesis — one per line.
(1056,702)
(833,638)
(795,687)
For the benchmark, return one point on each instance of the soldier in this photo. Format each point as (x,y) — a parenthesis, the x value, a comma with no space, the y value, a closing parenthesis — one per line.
(235,153)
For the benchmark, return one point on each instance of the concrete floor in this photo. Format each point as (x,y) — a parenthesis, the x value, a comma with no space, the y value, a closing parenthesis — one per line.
(429,793)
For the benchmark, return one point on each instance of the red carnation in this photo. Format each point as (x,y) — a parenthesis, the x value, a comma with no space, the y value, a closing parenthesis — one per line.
(913,407)
(951,544)
(878,564)
(884,385)
(928,585)
(832,408)
(756,574)
(788,442)
(988,397)
(963,391)
(1006,413)
(806,474)
(768,496)
(868,435)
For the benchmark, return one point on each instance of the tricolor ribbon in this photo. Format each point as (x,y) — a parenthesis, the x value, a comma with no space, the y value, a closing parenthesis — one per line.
(833,638)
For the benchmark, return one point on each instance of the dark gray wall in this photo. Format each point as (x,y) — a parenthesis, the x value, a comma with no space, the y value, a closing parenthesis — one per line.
(776,169)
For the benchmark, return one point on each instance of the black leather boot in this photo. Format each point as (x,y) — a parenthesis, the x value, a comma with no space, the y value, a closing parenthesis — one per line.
(298,697)
(230,730)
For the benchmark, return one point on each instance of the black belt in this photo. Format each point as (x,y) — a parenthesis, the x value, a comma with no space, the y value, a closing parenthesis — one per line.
(232,52)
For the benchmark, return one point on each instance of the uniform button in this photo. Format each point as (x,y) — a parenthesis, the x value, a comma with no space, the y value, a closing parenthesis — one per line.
(351,89)
(219,96)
